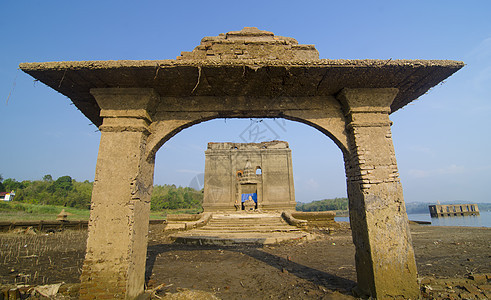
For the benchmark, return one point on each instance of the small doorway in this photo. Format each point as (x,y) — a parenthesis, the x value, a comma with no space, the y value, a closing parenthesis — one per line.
(248,196)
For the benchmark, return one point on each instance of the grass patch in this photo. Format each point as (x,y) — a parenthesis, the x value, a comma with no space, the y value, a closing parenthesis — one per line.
(158,215)
(18,211)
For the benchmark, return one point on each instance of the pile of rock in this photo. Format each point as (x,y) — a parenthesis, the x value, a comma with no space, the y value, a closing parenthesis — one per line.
(476,286)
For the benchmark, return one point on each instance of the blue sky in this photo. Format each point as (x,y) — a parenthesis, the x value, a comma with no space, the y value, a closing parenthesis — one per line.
(442,140)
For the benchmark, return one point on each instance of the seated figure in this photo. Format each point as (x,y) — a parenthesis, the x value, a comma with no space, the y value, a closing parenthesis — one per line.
(249,204)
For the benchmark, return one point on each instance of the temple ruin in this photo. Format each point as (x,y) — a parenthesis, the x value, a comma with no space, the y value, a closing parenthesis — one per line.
(139,105)
(248,176)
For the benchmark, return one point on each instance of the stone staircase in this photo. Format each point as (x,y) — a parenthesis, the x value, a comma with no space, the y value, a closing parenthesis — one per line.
(241,228)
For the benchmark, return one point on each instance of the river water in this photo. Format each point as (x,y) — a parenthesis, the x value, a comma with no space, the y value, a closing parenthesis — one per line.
(483,220)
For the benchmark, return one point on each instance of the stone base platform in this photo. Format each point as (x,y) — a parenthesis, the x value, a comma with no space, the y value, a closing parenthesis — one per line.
(242,228)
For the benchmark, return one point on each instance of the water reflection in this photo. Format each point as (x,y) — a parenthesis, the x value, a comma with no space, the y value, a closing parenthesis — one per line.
(475,221)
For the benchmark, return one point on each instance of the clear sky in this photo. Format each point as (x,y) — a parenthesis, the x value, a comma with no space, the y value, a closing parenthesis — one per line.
(442,140)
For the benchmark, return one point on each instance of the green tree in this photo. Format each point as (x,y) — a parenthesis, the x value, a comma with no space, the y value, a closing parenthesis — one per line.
(11,184)
(2,187)
(323,205)
(172,197)
(61,185)
(48,178)
(68,192)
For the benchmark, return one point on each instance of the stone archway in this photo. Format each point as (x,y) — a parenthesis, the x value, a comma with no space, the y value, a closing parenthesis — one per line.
(138,105)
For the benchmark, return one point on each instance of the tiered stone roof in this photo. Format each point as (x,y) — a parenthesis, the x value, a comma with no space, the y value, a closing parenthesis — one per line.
(250,43)
(247,146)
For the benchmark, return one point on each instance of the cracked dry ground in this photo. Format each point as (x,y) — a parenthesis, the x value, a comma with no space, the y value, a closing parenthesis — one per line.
(314,269)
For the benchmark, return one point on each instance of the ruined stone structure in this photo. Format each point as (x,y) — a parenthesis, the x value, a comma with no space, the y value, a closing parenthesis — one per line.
(241,176)
(139,105)
(453,210)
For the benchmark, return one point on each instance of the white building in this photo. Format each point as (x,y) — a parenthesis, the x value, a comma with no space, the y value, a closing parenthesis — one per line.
(6,196)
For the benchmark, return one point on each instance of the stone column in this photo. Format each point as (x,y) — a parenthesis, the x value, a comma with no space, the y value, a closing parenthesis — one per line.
(385,263)
(114,265)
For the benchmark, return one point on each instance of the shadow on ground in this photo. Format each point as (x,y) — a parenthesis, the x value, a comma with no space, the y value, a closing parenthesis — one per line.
(230,271)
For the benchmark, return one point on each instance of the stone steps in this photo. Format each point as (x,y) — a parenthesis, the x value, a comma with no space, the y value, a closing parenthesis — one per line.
(247,221)
(258,230)
(232,229)
(249,228)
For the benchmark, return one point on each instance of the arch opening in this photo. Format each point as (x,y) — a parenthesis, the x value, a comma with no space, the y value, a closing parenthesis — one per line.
(164,132)
(259,171)
(318,164)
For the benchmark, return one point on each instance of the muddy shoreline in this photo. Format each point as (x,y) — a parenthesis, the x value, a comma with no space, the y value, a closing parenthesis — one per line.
(313,269)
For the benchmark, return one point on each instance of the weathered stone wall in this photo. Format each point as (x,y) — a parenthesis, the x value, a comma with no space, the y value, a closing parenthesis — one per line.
(385,263)
(114,264)
(224,162)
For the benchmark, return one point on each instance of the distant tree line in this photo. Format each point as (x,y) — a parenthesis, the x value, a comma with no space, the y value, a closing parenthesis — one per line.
(411,207)
(66,191)
(323,205)
(63,191)
(2,187)
(172,197)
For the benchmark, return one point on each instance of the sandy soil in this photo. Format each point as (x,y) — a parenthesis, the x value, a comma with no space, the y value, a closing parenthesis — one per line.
(322,268)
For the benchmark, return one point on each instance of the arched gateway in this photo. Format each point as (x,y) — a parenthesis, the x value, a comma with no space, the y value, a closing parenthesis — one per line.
(139,105)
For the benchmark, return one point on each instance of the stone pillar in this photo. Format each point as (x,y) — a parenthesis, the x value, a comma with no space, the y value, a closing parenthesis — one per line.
(385,263)
(114,265)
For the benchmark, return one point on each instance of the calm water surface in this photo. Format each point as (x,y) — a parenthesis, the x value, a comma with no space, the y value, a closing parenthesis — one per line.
(483,220)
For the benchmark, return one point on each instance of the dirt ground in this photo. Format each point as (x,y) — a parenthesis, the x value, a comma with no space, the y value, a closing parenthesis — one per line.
(321,268)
